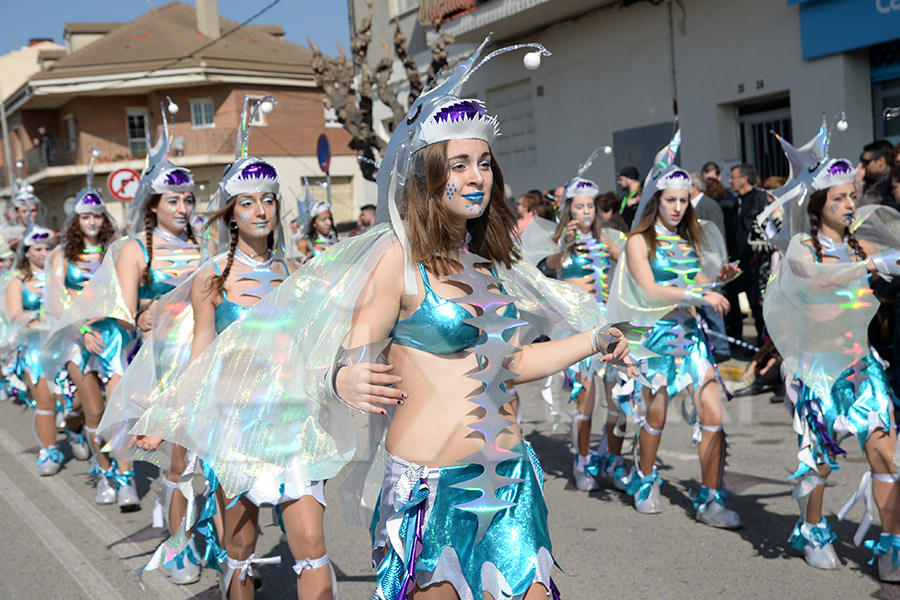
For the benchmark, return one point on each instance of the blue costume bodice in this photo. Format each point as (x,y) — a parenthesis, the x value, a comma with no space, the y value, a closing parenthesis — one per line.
(675,262)
(438,326)
(157,286)
(33,300)
(77,277)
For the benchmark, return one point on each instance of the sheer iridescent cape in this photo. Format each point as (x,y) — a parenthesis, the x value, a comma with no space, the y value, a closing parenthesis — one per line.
(101,298)
(254,405)
(628,301)
(818,313)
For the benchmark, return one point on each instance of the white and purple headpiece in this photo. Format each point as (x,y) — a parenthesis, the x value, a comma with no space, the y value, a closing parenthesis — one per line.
(36,235)
(24,195)
(581,187)
(159,176)
(89,200)
(437,115)
(663,175)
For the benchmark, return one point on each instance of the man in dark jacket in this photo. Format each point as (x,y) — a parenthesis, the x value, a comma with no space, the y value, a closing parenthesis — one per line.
(874,164)
(750,202)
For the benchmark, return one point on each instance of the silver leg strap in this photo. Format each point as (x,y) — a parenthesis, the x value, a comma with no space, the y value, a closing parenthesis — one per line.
(698,432)
(317,563)
(651,430)
(41,411)
(864,492)
(92,435)
(244,569)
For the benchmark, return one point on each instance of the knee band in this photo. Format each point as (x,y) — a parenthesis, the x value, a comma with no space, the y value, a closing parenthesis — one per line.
(310,563)
(41,411)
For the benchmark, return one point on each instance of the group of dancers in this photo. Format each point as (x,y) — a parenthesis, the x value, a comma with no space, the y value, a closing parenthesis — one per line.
(200,342)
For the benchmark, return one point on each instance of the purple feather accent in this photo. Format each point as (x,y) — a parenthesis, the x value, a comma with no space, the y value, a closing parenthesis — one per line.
(831,446)
(178,177)
(554,590)
(40,236)
(465,109)
(259,170)
(678,175)
(583,184)
(92,199)
(840,167)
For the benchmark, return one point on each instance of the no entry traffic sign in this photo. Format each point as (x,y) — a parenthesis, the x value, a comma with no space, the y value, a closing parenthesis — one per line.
(323,152)
(123,184)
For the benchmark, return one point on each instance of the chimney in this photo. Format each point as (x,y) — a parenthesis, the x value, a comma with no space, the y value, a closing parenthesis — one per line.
(208,18)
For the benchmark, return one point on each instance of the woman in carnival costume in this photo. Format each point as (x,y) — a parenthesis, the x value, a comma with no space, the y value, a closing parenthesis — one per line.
(320,233)
(672,264)
(88,338)
(817,309)
(586,254)
(160,253)
(24,299)
(426,338)
(247,211)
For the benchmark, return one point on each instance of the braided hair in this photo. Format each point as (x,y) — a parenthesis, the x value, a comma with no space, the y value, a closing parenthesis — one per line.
(150,223)
(217,283)
(814,210)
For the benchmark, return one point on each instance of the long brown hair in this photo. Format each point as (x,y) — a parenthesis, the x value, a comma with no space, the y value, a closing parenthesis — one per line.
(814,210)
(566,217)
(150,223)
(217,283)
(73,244)
(687,228)
(24,265)
(433,239)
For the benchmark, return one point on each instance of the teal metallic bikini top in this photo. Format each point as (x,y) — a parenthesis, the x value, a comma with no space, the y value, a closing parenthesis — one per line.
(227,312)
(675,261)
(77,278)
(157,287)
(33,300)
(438,326)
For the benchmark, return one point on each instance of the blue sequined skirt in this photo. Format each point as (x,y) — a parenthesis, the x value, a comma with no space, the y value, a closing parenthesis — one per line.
(683,357)
(514,552)
(112,361)
(860,399)
(28,356)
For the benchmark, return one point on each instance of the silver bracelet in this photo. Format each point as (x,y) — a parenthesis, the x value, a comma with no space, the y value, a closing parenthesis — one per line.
(694,296)
(373,352)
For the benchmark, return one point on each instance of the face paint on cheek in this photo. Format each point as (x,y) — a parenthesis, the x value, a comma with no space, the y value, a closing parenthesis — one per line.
(450,190)
(474,208)
(835,206)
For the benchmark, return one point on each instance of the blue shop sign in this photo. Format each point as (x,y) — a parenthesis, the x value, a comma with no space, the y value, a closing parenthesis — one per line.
(832,26)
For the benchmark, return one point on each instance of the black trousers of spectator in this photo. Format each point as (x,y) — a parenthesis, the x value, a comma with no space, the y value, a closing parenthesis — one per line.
(748,283)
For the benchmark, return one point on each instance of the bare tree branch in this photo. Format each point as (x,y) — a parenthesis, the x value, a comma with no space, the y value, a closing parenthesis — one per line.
(401,49)
(439,52)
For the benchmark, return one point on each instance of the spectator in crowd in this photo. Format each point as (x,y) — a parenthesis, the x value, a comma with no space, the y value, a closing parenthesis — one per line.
(526,208)
(295,232)
(874,164)
(717,191)
(764,253)
(365,220)
(629,181)
(607,206)
(510,198)
(47,145)
(556,196)
(750,202)
(704,206)
(711,170)
(895,156)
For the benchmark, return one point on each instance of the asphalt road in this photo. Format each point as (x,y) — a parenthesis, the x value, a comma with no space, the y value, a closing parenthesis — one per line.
(56,543)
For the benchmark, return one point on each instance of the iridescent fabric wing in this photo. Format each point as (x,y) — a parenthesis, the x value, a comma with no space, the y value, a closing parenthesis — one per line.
(536,242)
(878,224)
(163,355)
(714,252)
(254,404)
(56,299)
(818,315)
(101,298)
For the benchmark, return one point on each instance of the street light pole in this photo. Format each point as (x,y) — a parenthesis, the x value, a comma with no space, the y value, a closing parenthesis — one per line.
(6,148)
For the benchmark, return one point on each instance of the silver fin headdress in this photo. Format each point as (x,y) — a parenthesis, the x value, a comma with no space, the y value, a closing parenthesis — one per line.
(435,116)
(811,170)
(247,174)
(663,175)
(89,199)
(159,176)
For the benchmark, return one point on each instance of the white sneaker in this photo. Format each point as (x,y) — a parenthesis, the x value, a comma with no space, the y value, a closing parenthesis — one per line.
(106,493)
(188,572)
(652,504)
(79,446)
(127,497)
(584,481)
(49,461)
